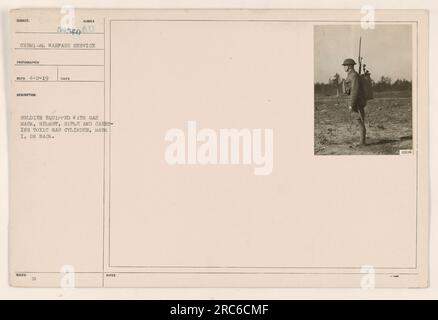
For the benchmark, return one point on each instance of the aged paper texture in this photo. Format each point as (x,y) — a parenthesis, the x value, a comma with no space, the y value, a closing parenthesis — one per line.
(218,148)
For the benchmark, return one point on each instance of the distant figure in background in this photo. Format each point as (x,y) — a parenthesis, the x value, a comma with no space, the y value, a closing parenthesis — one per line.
(336,82)
(357,101)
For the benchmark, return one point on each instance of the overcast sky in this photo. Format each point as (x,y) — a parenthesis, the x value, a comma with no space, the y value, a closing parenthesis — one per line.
(387,50)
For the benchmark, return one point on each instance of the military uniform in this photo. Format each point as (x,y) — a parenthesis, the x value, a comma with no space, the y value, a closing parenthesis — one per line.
(357,101)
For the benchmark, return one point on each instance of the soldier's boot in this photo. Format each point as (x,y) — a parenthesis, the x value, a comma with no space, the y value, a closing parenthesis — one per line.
(362,131)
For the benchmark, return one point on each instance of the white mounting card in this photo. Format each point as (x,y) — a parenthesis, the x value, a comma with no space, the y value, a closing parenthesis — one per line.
(218,148)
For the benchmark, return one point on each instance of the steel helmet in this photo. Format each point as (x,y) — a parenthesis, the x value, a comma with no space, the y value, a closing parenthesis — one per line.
(349,62)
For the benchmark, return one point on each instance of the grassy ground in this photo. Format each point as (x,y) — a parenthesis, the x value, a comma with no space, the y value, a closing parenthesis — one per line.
(388,122)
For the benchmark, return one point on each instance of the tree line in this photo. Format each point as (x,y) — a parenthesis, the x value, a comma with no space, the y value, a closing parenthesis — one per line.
(334,84)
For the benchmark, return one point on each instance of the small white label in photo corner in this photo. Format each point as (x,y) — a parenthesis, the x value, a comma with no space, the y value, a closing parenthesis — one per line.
(406,152)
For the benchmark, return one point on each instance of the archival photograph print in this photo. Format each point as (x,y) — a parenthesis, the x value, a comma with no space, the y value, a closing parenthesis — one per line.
(363,89)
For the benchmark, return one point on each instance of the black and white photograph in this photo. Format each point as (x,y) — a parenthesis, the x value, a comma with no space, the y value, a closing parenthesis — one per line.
(363,89)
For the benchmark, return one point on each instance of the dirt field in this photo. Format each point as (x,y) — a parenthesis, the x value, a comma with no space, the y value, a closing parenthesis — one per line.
(388,122)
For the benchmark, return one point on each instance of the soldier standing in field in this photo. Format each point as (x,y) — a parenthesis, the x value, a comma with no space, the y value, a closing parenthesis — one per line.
(357,101)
